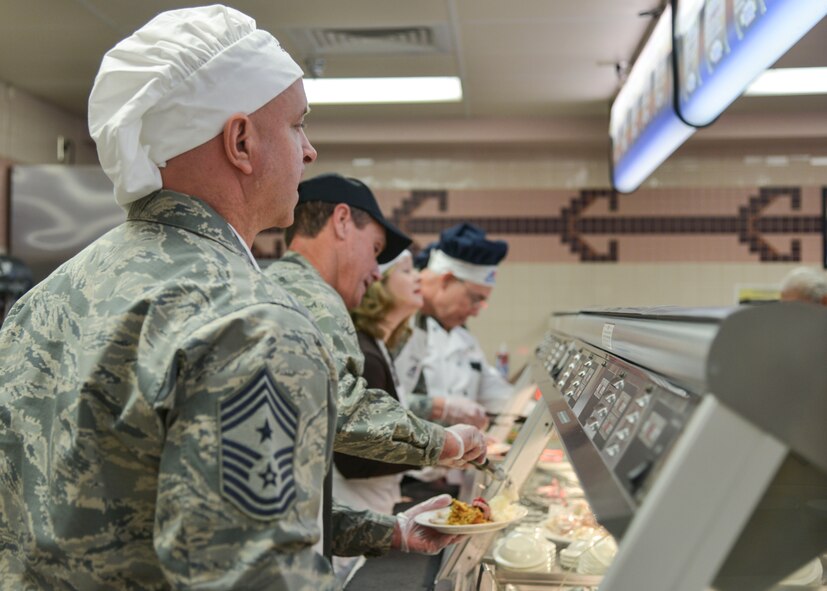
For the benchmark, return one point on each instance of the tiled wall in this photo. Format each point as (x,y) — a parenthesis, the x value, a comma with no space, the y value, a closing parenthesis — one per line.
(701,230)
(528,293)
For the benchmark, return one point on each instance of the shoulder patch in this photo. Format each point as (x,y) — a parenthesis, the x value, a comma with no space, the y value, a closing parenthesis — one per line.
(258,433)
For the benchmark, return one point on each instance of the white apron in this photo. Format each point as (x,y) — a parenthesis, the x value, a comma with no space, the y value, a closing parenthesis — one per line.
(379,493)
(453,364)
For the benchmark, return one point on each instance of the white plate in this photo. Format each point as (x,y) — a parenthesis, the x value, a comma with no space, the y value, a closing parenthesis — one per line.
(515,565)
(437,518)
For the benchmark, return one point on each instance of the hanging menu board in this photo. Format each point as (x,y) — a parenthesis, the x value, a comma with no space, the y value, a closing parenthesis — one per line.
(721,46)
(643,126)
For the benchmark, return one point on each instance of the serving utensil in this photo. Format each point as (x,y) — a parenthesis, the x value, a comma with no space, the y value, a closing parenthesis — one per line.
(496,472)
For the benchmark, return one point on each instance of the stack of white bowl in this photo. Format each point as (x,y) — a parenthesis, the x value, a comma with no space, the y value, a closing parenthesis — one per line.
(570,555)
(520,550)
(597,558)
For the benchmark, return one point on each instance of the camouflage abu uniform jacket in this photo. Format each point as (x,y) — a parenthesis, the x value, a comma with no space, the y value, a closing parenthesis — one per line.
(164,419)
(371,423)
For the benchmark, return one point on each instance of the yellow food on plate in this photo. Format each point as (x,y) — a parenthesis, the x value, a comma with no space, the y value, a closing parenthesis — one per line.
(478,511)
(465,514)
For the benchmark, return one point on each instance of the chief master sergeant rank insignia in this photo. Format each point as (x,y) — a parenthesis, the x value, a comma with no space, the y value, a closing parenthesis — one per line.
(258,429)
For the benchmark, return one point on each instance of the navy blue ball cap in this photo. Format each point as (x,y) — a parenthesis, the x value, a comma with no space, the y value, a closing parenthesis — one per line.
(468,243)
(334,188)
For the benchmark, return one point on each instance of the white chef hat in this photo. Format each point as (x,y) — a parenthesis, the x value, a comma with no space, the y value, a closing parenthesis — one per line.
(384,267)
(441,263)
(172,85)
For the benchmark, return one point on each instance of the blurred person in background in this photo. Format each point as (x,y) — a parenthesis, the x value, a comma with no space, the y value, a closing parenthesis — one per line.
(805,284)
(442,358)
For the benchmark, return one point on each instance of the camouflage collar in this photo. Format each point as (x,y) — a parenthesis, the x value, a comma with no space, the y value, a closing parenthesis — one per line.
(291,256)
(186,212)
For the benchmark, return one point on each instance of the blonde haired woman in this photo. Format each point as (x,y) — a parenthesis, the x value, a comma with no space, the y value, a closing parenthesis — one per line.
(381,322)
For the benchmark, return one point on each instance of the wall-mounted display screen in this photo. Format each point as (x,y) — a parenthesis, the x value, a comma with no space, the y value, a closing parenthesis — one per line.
(721,46)
(643,126)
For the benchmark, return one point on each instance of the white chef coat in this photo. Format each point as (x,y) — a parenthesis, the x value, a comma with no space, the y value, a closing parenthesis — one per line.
(453,364)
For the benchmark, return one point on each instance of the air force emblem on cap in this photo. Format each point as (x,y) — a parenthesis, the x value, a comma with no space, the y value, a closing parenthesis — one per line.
(258,431)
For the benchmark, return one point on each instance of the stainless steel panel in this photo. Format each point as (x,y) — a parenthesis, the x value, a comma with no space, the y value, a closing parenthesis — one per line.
(609,502)
(667,346)
(769,364)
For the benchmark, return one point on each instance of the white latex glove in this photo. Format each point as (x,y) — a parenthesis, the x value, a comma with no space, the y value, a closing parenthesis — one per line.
(458,409)
(409,536)
(470,443)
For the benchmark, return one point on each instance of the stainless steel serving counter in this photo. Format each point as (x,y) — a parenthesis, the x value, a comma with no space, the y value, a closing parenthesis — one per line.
(698,436)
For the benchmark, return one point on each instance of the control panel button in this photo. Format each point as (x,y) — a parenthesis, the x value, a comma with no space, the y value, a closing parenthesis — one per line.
(622,403)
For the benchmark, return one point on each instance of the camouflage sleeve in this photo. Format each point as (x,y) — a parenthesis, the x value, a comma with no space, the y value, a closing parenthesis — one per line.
(421,405)
(372,424)
(361,532)
(246,413)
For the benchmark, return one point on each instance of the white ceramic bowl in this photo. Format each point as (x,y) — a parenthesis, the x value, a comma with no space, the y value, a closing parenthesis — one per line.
(521,548)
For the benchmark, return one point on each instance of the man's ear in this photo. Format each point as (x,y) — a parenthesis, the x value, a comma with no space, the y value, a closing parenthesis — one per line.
(340,219)
(446,279)
(238,142)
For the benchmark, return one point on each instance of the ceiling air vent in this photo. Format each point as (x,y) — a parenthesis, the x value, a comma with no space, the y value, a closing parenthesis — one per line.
(396,40)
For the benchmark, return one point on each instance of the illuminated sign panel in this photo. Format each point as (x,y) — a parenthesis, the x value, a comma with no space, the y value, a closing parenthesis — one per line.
(716,48)
(643,126)
(721,46)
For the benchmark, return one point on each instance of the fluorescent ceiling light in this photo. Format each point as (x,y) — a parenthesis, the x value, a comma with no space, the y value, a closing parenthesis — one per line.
(782,81)
(435,89)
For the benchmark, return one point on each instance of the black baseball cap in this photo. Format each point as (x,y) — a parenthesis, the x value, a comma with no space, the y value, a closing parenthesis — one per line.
(334,188)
